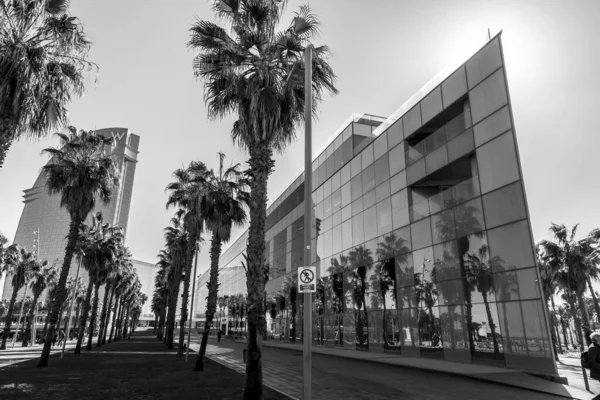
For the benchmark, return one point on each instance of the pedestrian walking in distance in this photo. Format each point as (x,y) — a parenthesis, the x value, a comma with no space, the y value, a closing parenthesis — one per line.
(593,358)
(219,336)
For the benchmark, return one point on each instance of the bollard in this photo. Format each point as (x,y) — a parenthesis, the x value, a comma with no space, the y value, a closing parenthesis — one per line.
(244,354)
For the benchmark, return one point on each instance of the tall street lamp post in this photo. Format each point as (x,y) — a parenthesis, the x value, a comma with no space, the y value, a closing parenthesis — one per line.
(307,345)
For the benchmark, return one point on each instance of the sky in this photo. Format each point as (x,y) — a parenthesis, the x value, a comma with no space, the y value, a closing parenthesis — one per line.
(383,52)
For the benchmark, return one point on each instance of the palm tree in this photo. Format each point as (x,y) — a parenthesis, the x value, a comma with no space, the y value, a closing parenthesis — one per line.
(162,285)
(185,193)
(43,63)
(177,240)
(38,281)
(478,271)
(221,206)
(548,268)
(81,172)
(573,267)
(591,245)
(257,76)
(121,262)
(18,263)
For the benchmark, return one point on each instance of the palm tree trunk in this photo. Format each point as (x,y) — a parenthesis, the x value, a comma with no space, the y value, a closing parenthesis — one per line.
(261,164)
(557,331)
(553,334)
(106,319)
(77,317)
(576,320)
(88,347)
(491,322)
(595,299)
(191,247)
(211,301)
(564,331)
(103,314)
(8,319)
(119,329)
(125,321)
(30,319)
(162,317)
(61,288)
(586,322)
(84,316)
(172,310)
(114,319)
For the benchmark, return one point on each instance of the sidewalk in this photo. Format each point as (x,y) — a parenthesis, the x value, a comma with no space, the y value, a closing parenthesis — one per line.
(139,368)
(17,354)
(502,376)
(348,375)
(569,366)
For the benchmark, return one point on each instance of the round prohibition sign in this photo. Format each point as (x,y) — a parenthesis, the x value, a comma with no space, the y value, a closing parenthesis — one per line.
(307,276)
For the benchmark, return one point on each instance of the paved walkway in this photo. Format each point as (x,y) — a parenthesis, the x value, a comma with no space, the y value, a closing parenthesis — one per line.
(349,375)
(17,354)
(569,366)
(140,368)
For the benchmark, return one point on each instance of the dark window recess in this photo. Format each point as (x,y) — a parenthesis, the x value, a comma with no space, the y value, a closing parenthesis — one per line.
(445,126)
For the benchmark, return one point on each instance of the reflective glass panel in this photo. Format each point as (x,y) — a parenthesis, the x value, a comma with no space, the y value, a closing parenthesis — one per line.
(510,246)
(396,159)
(398,182)
(421,233)
(368,179)
(469,217)
(382,170)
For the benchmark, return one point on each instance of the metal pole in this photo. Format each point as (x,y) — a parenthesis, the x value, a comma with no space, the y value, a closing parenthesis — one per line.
(187,350)
(62,353)
(19,322)
(307,345)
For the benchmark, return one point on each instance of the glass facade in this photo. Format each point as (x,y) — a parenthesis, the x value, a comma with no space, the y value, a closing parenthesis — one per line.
(421,235)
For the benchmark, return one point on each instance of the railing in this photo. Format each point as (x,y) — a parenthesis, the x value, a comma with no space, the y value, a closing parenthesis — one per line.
(456,194)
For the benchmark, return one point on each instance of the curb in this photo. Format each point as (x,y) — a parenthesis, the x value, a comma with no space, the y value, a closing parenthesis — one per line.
(449,373)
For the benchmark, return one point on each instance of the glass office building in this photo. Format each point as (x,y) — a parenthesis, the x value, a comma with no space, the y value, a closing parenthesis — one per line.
(422,239)
(43,213)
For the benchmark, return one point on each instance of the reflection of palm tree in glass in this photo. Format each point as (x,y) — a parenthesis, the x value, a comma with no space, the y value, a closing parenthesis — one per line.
(505,284)
(427,293)
(290,287)
(449,226)
(478,268)
(359,258)
(444,274)
(385,277)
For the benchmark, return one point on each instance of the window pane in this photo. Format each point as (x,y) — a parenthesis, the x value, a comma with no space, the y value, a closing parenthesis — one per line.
(505,284)
(384,217)
(511,321)
(400,209)
(412,120)
(421,233)
(469,217)
(346,212)
(335,181)
(380,145)
(382,170)
(528,284)
(356,183)
(504,205)
(394,133)
(355,166)
(382,191)
(327,188)
(345,174)
(443,226)
(461,145)
(330,165)
(535,329)
(337,218)
(431,105)
(346,194)
(347,235)
(327,207)
(367,156)
(370,216)
(415,172)
(512,244)
(369,199)
(423,263)
(398,182)
(368,179)
(450,292)
(484,63)
(492,126)
(336,239)
(357,206)
(447,261)
(454,87)
(489,96)
(346,151)
(405,275)
(497,162)
(358,231)
(397,160)
(336,200)
(436,159)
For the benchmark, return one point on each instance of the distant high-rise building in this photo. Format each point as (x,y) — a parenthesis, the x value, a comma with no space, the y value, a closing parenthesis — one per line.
(42,213)
(146,272)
